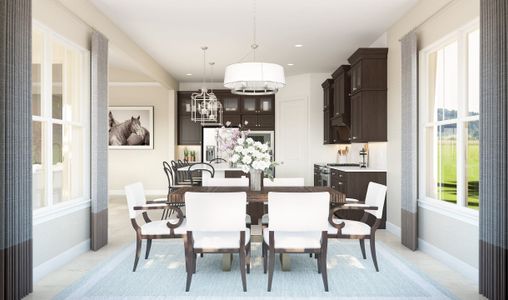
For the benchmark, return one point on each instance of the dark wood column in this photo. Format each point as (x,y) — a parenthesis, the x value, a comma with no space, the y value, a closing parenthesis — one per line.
(494,149)
(15,149)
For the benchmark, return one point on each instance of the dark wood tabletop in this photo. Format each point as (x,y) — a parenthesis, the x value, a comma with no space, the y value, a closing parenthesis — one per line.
(261,196)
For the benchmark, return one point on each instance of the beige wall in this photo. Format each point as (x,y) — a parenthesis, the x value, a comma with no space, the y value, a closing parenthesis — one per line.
(462,244)
(128,166)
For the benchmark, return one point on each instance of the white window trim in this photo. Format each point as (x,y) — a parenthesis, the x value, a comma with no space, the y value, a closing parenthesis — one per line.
(53,211)
(456,211)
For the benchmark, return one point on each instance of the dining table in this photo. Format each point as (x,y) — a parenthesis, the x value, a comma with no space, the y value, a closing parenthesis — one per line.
(255,200)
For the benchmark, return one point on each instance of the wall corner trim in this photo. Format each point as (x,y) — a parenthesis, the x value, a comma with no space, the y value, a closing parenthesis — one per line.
(58,261)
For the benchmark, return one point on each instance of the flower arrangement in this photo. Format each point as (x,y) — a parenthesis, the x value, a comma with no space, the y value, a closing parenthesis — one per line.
(245,152)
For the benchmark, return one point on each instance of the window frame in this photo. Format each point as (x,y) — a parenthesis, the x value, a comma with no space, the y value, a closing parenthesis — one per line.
(51,210)
(458,210)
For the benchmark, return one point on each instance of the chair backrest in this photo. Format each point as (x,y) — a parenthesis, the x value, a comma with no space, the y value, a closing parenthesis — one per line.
(218,160)
(135,194)
(284,182)
(197,169)
(298,211)
(215,211)
(376,195)
(169,173)
(225,181)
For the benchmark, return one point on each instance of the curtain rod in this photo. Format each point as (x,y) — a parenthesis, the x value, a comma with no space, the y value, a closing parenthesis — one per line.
(428,18)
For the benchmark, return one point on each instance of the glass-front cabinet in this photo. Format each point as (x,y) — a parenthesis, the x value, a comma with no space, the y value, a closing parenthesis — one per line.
(231,104)
(258,104)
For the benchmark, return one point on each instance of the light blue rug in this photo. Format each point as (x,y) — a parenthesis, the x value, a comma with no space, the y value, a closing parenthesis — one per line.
(162,276)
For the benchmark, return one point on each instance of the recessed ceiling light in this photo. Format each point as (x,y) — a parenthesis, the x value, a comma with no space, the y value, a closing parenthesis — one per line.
(189,74)
(291,64)
(298,46)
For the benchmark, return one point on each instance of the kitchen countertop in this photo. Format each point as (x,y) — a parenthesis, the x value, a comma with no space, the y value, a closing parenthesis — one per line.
(357,169)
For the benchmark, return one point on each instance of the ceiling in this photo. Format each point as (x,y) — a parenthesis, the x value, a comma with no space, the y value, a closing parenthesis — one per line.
(172,31)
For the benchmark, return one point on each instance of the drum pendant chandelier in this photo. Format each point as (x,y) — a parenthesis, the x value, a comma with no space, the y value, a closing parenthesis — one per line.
(254,78)
(205,108)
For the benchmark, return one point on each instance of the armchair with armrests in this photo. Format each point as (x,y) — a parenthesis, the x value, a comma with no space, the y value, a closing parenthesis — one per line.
(216,224)
(361,230)
(150,230)
(288,232)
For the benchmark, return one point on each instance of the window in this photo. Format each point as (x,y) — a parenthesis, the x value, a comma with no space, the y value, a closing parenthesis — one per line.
(449,119)
(60,108)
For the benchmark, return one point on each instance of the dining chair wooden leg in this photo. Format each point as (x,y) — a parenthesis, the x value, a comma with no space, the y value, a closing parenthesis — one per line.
(243,264)
(310,255)
(362,246)
(318,260)
(189,272)
(148,247)
(373,251)
(265,258)
(248,257)
(322,257)
(271,260)
(194,262)
(138,253)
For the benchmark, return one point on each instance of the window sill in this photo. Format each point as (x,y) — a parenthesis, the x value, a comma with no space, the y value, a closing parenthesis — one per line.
(463,214)
(46,214)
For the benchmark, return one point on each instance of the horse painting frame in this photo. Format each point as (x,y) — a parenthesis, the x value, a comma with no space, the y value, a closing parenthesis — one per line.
(130,128)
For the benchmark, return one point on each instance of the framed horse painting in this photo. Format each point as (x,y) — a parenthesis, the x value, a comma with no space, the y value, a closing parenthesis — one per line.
(131,127)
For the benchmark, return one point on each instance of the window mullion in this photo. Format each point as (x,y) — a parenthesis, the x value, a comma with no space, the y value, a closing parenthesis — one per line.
(461,138)
(46,97)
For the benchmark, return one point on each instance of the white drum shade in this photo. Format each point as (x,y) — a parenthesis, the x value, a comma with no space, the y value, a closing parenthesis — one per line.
(254,78)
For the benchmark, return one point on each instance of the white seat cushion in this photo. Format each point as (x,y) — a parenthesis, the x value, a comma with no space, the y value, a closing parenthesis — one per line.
(219,240)
(160,227)
(352,200)
(264,219)
(298,240)
(350,227)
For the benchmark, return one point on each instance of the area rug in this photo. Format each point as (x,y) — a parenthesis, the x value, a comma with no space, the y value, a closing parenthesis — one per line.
(162,276)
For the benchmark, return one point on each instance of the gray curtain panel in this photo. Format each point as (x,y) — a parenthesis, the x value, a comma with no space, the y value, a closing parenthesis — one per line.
(99,138)
(409,143)
(493,148)
(15,149)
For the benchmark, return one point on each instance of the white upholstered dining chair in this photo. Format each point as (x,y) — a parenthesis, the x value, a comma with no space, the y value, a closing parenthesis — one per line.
(288,232)
(150,230)
(278,182)
(216,224)
(361,230)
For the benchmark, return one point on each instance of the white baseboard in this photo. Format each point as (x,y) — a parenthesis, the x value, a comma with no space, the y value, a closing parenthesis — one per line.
(147,192)
(58,261)
(394,229)
(451,261)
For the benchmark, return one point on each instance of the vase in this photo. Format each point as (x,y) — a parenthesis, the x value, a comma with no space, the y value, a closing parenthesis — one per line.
(256,180)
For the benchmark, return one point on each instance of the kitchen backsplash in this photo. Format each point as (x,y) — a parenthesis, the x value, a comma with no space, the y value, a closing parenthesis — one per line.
(376,157)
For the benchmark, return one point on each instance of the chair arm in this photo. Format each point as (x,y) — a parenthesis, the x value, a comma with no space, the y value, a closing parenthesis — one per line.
(330,219)
(355,206)
(150,206)
(180,217)
(158,200)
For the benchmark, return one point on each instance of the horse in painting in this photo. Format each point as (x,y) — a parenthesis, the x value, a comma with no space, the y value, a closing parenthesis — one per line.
(129,132)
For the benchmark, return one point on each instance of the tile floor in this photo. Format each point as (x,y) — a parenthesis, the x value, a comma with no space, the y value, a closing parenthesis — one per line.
(121,234)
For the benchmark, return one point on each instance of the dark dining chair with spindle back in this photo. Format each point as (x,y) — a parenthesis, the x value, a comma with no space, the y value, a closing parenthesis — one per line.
(218,160)
(172,186)
(195,172)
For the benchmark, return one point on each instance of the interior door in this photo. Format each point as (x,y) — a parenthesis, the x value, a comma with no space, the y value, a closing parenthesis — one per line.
(291,139)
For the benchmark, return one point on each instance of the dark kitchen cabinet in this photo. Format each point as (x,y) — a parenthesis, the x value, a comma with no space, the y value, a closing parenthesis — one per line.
(369,117)
(189,132)
(368,70)
(230,103)
(184,103)
(258,121)
(327,110)
(354,185)
(258,104)
(341,91)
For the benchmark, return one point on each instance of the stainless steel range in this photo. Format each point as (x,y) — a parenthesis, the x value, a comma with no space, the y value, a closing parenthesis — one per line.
(324,172)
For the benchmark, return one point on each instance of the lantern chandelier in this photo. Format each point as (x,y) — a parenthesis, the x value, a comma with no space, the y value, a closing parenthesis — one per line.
(205,108)
(254,78)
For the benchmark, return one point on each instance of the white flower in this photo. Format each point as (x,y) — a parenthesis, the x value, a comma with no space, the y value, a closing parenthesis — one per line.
(238,149)
(245,151)
(264,147)
(240,141)
(234,158)
(257,144)
(245,168)
(249,141)
(246,160)
(251,149)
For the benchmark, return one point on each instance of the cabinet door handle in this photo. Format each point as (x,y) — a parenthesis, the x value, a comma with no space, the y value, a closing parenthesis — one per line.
(354,89)
(349,94)
(340,175)
(354,138)
(334,140)
(336,114)
(340,183)
(349,138)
